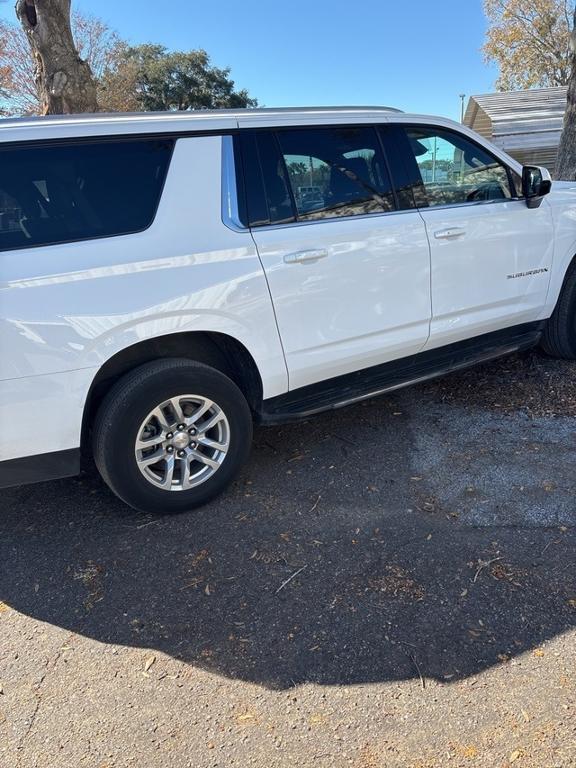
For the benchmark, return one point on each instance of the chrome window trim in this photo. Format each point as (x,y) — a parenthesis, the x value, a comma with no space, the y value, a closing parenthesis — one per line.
(332,219)
(229,193)
(471,204)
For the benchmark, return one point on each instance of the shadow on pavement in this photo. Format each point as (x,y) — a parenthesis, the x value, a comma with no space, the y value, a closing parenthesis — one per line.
(425,535)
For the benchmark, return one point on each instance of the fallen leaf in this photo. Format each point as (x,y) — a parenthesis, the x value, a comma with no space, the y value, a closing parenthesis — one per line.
(515,755)
(149,661)
(248,718)
(539,653)
(317,719)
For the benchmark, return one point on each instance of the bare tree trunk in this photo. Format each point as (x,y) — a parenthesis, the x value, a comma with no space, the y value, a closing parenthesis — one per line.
(64,81)
(566,162)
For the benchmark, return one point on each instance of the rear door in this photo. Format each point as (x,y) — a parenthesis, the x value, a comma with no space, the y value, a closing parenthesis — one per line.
(349,273)
(491,254)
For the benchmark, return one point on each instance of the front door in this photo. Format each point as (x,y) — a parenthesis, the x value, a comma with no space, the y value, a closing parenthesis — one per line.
(491,255)
(349,274)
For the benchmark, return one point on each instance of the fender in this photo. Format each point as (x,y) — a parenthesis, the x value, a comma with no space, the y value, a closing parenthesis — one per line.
(562,201)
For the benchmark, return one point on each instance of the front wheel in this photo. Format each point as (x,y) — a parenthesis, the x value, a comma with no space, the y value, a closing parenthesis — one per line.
(559,338)
(171,435)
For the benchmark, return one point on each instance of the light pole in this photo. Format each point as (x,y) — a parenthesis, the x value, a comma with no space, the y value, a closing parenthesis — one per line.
(462,97)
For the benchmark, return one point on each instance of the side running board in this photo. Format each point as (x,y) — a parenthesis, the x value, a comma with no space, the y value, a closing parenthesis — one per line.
(370,382)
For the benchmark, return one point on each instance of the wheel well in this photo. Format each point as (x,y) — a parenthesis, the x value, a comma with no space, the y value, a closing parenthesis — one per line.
(218,350)
(568,273)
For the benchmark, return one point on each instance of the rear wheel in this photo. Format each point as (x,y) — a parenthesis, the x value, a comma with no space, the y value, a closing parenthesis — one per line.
(171,435)
(559,338)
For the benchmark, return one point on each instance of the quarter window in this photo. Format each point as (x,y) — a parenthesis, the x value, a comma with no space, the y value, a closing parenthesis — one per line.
(64,193)
(455,170)
(335,172)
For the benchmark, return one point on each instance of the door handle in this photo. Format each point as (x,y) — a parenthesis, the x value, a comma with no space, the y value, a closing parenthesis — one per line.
(301,257)
(449,234)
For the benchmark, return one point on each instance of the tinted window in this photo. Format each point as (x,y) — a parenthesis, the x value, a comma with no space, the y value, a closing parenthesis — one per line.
(455,170)
(335,172)
(252,205)
(52,194)
(280,208)
(404,171)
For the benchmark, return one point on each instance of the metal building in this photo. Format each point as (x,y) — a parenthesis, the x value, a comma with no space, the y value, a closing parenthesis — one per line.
(526,124)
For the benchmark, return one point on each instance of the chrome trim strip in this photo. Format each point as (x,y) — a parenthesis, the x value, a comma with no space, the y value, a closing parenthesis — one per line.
(230,214)
(466,205)
(333,219)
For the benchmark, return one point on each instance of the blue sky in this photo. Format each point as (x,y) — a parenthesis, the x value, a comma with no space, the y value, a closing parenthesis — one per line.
(413,54)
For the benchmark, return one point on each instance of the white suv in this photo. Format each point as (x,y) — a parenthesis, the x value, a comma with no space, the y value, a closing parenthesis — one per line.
(168,279)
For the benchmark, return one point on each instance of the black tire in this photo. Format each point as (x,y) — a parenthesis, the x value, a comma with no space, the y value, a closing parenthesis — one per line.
(559,338)
(128,403)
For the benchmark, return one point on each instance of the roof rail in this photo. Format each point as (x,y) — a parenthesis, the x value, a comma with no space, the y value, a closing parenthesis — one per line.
(189,113)
(335,108)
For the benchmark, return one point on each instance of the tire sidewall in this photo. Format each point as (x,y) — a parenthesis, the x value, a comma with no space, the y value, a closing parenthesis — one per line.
(125,417)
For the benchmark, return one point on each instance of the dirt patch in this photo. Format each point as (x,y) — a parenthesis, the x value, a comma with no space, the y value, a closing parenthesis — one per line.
(530,382)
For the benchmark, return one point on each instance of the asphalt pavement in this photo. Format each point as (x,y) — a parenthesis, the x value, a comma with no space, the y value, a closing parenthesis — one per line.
(388,585)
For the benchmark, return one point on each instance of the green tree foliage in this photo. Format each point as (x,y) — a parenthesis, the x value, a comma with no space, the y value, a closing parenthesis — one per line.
(128,79)
(158,79)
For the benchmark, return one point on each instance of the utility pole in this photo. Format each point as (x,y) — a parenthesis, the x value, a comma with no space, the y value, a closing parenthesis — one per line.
(462,97)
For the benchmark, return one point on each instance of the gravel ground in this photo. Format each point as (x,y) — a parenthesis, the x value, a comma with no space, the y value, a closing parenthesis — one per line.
(431,620)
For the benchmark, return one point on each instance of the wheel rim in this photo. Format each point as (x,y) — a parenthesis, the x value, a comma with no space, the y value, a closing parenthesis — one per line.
(182,442)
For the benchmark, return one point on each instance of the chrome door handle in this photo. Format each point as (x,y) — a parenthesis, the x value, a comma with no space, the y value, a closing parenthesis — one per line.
(301,257)
(448,234)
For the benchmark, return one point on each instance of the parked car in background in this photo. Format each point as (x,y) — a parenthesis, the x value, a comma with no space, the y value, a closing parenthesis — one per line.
(164,285)
(310,198)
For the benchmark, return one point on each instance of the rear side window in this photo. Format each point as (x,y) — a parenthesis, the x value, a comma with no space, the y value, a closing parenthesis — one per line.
(336,172)
(64,193)
(318,173)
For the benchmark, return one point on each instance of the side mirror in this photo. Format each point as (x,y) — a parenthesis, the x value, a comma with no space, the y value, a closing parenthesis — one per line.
(536,183)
